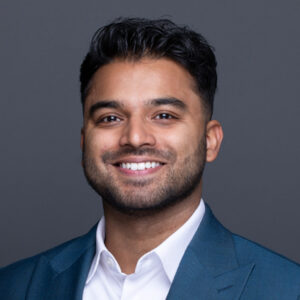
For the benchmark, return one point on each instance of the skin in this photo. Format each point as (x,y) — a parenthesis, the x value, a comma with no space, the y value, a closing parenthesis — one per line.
(138,124)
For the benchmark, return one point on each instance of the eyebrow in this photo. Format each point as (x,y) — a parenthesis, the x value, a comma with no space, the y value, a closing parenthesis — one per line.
(104,104)
(168,101)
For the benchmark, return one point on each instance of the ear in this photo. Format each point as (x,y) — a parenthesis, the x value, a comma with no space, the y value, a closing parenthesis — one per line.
(81,138)
(82,143)
(214,137)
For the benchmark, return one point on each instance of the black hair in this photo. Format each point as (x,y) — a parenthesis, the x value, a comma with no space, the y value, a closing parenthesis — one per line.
(135,38)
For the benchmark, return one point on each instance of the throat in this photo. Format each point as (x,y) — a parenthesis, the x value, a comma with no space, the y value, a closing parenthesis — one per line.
(128,238)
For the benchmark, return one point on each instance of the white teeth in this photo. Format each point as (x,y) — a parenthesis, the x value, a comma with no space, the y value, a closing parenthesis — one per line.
(139,166)
(134,166)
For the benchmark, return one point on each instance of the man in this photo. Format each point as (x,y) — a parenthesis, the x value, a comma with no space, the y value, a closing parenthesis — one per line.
(147,95)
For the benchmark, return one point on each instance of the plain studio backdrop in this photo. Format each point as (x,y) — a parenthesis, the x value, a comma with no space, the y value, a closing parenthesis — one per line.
(253,187)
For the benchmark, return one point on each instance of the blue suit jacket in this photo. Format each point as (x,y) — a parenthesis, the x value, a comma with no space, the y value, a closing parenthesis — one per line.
(216,265)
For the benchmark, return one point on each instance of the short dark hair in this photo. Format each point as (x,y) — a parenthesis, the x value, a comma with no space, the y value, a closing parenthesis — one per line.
(135,38)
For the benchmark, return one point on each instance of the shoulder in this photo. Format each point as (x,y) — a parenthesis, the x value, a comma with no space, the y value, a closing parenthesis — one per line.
(270,269)
(248,250)
(16,277)
(18,274)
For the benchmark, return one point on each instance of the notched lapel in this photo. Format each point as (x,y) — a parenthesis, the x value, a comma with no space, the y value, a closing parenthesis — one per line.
(69,284)
(209,268)
(62,276)
(48,284)
(192,281)
(230,285)
(42,276)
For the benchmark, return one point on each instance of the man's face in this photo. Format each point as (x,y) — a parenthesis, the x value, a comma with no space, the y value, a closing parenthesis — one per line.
(143,140)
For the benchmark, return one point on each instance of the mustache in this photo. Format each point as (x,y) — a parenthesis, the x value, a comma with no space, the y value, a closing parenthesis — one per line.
(115,155)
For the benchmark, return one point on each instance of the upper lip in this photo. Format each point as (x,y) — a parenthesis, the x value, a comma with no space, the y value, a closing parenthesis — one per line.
(137,159)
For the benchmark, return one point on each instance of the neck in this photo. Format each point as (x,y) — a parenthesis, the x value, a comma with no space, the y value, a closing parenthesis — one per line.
(128,237)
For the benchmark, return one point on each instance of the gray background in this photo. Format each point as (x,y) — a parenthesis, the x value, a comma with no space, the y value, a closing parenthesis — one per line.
(253,187)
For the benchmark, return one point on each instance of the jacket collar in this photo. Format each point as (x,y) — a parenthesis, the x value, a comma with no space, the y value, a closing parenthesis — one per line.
(209,268)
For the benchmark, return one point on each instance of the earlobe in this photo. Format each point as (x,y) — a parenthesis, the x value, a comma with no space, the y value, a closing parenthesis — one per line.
(82,143)
(214,137)
(81,138)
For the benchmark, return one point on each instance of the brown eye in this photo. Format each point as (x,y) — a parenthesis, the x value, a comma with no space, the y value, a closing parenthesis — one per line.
(164,116)
(109,119)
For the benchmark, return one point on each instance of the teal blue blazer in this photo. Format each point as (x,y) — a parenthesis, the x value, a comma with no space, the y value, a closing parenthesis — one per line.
(217,265)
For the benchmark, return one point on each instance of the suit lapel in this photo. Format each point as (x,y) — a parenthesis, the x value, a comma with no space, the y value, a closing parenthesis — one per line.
(63,276)
(70,283)
(209,268)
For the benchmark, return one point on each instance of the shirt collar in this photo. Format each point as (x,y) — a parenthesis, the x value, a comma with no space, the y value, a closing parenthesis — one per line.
(172,249)
(100,247)
(170,252)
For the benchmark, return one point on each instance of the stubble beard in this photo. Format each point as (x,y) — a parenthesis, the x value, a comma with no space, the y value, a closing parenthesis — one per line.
(138,197)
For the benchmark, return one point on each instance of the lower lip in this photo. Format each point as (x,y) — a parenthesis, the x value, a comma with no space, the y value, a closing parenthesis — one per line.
(139,172)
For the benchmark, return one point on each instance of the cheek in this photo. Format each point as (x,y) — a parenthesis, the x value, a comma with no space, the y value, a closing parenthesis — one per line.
(99,142)
(183,143)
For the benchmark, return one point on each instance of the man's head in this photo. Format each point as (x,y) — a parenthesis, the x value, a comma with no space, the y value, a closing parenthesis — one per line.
(146,134)
(133,39)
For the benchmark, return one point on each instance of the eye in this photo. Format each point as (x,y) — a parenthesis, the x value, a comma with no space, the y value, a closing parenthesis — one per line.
(109,119)
(164,116)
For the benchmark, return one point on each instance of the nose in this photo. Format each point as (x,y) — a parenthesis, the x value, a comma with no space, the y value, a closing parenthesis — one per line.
(137,133)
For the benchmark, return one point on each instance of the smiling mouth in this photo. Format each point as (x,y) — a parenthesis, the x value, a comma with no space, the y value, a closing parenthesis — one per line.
(139,166)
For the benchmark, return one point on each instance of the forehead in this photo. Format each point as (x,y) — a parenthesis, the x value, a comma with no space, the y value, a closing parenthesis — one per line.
(134,82)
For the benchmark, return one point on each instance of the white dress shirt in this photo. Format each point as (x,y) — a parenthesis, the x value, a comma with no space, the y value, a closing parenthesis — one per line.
(154,271)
